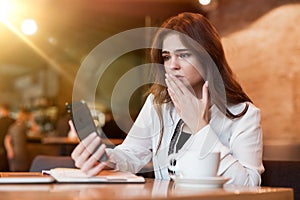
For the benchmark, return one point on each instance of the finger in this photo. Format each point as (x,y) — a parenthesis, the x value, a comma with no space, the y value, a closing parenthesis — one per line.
(171,91)
(99,153)
(172,85)
(180,87)
(84,158)
(82,145)
(183,84)
(175,93)
(205,92)
(91,142)
(81,153)
(72,127)
(77,151)
(93,159)
(95,170)
(177,107)
(174,99)
(169,88)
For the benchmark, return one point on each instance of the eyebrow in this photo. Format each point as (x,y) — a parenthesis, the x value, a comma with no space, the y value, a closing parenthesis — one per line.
(176,51)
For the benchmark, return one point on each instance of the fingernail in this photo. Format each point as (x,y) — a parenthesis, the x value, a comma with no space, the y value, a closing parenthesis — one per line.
(103,146)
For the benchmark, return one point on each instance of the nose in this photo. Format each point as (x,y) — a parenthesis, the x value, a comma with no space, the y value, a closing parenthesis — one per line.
(173,63)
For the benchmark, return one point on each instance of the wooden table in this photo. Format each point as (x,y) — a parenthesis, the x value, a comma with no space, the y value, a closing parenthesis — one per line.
(67,140)
(67,144)
(152,189)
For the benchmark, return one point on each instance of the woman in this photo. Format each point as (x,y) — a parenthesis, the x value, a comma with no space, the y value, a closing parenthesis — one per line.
(195,101)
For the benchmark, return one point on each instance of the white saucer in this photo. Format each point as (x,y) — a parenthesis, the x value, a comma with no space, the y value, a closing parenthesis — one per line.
(205,182)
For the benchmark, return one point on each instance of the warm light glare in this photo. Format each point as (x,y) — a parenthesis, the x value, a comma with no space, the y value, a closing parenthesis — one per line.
(204,2)
(5,9)
(35,48)
(52,40)
(29,27)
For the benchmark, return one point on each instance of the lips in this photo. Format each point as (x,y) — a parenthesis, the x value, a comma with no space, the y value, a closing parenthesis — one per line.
(179,76)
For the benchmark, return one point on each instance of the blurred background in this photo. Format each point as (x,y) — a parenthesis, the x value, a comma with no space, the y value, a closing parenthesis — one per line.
(42,44)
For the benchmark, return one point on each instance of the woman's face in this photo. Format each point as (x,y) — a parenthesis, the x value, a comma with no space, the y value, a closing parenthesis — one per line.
(181,62)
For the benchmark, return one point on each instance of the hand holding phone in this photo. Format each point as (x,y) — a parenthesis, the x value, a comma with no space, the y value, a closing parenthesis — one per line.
(83,122)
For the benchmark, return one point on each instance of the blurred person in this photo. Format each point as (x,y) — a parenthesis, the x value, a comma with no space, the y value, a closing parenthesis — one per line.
(62,127)
(5,121)
(187,105)
(16,142)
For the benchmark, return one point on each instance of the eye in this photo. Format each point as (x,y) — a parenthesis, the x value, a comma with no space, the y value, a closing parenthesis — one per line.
(166,57)
(184,55)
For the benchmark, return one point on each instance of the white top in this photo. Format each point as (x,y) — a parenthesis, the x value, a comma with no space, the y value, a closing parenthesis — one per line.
(239,141)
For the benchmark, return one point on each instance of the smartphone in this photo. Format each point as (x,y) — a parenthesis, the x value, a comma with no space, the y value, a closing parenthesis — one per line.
(83,122)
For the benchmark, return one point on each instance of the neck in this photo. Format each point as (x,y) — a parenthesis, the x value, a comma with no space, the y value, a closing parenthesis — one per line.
(198,90)
(186,129)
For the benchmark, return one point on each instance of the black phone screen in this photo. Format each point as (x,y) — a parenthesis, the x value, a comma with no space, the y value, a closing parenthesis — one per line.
(83,121)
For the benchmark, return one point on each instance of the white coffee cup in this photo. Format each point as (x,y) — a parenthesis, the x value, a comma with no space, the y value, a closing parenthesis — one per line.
(192,165)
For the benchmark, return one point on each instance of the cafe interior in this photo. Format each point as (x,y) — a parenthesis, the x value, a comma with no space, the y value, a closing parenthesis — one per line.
(46,45)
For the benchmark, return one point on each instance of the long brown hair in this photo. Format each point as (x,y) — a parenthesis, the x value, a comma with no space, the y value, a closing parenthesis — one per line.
(208,47)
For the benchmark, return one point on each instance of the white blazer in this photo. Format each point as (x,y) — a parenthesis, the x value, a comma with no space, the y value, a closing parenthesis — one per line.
(239,141)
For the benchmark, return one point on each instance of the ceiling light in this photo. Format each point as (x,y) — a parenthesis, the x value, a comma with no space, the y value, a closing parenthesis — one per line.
(29,27)
(204,2)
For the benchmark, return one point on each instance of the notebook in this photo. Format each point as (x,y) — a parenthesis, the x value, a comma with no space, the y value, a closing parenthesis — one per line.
(70,175)
(25,177)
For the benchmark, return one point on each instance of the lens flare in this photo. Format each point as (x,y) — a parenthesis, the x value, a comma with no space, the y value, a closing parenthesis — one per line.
(204,2)
(29,27)
(5,9)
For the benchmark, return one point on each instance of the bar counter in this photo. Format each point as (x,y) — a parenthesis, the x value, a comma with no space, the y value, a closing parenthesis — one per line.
(152,189)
